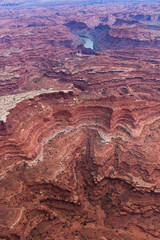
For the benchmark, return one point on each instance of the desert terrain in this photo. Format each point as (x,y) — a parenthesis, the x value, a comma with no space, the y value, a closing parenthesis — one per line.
(79,125)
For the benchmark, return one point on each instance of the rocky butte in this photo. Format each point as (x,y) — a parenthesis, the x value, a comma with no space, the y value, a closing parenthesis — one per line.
(79,126)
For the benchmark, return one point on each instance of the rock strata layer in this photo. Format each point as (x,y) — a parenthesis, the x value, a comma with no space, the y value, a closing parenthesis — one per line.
(79,130)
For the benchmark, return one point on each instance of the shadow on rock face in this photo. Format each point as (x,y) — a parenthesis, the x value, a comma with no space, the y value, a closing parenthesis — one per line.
(73,25)
(87,51)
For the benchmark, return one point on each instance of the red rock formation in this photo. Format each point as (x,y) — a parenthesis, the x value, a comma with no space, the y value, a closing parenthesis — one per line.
(79,134)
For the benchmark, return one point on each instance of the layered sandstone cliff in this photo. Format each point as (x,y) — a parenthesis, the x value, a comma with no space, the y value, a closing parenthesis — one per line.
(79,133)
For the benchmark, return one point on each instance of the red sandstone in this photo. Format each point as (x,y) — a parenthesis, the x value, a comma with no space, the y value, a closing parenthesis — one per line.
(79,131)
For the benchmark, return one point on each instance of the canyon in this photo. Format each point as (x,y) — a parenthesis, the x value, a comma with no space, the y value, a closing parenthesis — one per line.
(79,123)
